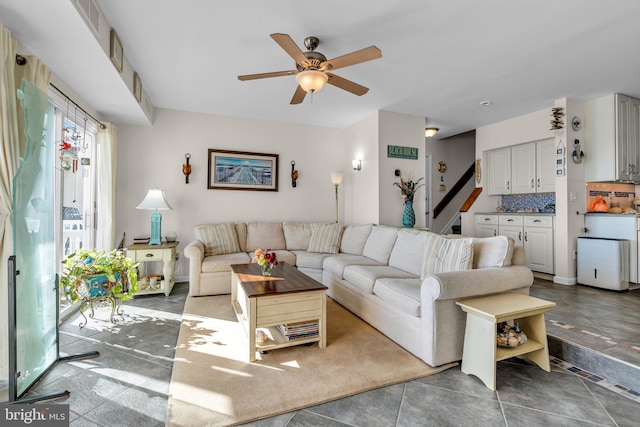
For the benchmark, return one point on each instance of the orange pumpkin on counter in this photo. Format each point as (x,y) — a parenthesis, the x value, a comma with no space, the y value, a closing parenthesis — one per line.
(599,204)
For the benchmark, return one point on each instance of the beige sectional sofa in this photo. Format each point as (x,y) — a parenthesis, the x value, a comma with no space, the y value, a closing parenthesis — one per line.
(404,282)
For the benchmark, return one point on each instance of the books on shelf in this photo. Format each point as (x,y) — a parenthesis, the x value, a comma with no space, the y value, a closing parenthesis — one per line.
(297,330)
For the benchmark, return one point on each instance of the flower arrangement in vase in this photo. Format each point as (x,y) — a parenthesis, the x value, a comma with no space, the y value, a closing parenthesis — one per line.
(408,189)
(266,260)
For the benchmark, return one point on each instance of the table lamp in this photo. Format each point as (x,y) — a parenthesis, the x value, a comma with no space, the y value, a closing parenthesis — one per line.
(155,200)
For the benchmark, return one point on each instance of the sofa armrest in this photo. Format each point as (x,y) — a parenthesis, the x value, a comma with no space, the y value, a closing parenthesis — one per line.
(471,283)
(195,252)
(443,322)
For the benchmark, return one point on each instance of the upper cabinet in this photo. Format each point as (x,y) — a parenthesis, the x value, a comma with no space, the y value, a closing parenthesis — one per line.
(521,169)
(612,139)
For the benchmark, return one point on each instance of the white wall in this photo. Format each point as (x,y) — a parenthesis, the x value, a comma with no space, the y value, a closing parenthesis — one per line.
(152,156)
(362,197)
(406,131)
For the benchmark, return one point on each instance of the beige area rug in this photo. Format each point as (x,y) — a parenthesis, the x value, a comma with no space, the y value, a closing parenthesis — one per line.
(213,383)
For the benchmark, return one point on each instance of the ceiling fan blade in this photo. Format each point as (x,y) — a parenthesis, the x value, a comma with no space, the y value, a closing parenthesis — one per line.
(347,85)
(289,46)
(298,96)
(265,75)
(362,55)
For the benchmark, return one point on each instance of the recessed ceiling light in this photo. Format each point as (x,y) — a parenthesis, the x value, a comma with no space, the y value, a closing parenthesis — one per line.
(486,104)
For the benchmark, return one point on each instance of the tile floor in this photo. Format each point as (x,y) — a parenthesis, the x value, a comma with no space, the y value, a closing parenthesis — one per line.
(129,383)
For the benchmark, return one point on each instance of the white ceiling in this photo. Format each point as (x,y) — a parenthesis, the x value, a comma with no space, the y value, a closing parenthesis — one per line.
(440,59)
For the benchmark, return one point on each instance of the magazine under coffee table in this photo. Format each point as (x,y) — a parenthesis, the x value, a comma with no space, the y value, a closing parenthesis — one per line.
(286,303)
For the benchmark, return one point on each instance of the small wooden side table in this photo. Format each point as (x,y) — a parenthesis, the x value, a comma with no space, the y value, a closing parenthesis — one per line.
(166,253)
(481,351)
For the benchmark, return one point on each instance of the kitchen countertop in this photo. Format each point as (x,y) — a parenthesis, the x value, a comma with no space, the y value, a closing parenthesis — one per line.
(524,213)
(612,214)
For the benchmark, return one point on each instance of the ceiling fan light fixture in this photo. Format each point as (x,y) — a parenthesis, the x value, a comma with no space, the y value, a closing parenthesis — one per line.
(430,132)
(311,80)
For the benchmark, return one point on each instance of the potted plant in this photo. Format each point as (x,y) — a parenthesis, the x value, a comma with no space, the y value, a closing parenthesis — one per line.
(92,273)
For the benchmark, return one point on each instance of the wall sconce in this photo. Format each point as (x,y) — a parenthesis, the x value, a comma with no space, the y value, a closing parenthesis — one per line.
(294,173)
(186,168)
(357,164)
(430,132)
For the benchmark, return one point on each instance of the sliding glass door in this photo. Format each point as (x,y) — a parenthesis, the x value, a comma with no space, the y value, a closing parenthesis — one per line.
(75,171)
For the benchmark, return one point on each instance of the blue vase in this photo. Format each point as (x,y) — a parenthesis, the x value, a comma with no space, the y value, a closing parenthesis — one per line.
(408,216)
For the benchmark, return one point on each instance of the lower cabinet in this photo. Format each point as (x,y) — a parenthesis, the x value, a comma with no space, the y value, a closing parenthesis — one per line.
(538,243)
(534,232)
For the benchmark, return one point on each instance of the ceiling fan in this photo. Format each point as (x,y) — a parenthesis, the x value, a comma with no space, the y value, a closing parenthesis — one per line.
(312,67)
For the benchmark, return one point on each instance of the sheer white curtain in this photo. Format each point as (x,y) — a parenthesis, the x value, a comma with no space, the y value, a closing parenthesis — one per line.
(9,153)
(107,144)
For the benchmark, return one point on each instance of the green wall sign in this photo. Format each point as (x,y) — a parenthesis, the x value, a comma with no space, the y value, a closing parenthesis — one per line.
(402,152)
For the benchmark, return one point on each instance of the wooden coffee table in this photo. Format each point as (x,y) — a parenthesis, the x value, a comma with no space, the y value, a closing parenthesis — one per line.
(287,296)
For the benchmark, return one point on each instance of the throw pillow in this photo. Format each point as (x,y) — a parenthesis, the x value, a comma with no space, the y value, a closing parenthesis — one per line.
(218,239)
(325,238)
(444,255)
(495,251)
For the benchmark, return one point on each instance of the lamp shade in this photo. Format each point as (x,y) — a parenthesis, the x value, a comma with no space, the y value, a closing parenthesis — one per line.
(311,80)
(155,199)
(336,178)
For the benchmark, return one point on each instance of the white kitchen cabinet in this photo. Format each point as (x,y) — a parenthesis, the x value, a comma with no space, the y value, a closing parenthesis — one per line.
(546,166)
(521,169)
(486,225)
(511,226)
(538,243)
(612,139)
(499,170)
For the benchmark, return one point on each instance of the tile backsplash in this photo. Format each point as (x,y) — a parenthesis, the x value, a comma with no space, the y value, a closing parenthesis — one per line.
(620,194)
(539,202)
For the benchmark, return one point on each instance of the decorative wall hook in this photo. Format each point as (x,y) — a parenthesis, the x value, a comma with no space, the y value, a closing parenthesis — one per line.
(294,173)
(186,168)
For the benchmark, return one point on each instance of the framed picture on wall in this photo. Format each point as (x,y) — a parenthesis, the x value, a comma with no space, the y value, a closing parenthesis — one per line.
(116,52)
(241,170)
(137,87)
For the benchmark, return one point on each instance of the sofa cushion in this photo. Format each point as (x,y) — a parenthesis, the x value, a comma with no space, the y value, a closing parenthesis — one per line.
(443,255)
(335,264)
(403,294)
(325,238)
(354,238)
(218,239)
(297,235)
(212,264)
(306,259)
(364,276)
(495,251)
(241,231)
(265,235)
(408,251)
(380,243)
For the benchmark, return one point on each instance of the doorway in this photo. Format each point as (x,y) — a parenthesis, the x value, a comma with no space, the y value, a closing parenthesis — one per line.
(427,191)
(75,183)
